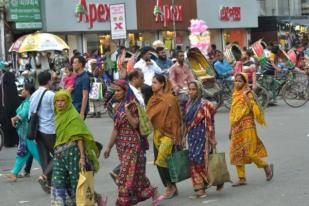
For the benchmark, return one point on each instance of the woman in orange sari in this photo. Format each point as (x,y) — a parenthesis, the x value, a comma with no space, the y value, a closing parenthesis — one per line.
(164,114)
(246,147)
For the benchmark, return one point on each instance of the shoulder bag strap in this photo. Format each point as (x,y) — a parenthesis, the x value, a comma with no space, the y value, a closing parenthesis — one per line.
(39,105)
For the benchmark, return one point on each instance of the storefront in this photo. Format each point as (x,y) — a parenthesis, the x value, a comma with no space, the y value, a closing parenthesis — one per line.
(288,31)
(159,25)
(85,24)
(229,21)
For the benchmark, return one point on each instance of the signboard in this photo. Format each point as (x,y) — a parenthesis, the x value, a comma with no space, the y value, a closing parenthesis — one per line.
(91,12)
(118,21)
(230,13)
(24,10)
(28,25)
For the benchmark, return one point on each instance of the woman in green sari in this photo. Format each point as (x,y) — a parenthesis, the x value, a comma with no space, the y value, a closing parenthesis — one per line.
(75,148)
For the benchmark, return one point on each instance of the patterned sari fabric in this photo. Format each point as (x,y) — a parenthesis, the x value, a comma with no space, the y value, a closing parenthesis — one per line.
(245,144)
(70,129)
(133,186)
(201,135)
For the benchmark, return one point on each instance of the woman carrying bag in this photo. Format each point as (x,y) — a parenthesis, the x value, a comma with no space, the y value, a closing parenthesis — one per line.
(200,129)
(75,151)
(164,114)
(246,147)
(133,185)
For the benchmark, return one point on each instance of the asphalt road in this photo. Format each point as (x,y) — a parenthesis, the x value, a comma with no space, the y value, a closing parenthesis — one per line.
(286,137)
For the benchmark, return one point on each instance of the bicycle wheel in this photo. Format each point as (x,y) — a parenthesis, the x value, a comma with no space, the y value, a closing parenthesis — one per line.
(1,138)
(262,96)
(295,94)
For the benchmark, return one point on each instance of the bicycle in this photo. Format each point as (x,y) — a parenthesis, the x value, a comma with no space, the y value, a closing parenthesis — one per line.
(1,138)
(293,92)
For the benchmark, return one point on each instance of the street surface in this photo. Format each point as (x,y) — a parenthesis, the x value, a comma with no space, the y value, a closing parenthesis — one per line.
(286,138)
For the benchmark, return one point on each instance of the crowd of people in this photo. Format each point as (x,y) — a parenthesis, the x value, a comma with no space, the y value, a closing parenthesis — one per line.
(145,82)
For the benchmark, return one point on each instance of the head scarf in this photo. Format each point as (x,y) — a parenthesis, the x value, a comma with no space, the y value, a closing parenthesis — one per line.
(70,127)
(129,97)
(244,103)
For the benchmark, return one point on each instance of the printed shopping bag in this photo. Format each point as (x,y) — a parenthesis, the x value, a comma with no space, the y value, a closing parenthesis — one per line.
(178,165)
(217,169)
(96,92)
(85,195)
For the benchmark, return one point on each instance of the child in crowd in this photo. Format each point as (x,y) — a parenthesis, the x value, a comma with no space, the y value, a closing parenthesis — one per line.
(69,79)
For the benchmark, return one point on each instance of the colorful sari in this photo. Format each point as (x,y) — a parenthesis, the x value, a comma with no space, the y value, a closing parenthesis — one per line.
(70,128)
(133,186)
(199,121)
(246,147)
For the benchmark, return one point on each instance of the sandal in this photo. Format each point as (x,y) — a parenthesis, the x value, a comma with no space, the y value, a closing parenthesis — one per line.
(11,177)
(44,185)
(241,182)
(170,194)
(269,172)
(23,174)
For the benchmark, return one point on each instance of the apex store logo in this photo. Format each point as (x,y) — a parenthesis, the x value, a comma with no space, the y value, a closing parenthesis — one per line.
(91,12)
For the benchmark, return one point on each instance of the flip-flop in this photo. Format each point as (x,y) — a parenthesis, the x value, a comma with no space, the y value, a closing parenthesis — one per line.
(194,197)
(270,177)
(158,200)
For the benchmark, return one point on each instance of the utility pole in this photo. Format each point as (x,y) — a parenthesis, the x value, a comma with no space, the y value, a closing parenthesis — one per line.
(174,24)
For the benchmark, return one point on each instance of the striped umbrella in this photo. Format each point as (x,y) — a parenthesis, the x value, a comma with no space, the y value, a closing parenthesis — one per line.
(38,42)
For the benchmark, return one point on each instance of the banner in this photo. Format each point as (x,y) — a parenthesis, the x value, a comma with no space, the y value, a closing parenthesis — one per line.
(118,21)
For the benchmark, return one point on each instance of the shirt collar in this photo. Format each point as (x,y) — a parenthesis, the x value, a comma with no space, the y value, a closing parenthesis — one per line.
(78,75)
(134,89)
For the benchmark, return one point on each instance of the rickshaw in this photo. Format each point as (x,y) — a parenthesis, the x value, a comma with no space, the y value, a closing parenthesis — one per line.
(219,92)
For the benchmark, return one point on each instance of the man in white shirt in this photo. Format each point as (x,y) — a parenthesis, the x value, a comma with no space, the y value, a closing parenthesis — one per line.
(136,81)
(147,65)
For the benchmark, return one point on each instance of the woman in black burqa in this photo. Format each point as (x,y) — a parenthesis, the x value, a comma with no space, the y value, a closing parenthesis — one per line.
(8,104)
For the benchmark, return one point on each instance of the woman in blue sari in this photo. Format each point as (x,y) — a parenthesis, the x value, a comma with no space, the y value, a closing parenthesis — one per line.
(200,130)
(25,146)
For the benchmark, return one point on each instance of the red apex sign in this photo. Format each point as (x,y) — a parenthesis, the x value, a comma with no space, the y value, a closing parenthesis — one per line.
(92,12)
(227,13)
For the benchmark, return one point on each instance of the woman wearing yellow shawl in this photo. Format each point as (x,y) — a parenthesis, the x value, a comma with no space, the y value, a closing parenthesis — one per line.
(246,147)
(75,148)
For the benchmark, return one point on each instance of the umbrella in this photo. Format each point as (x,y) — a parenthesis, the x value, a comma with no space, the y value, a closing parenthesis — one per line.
(38,42)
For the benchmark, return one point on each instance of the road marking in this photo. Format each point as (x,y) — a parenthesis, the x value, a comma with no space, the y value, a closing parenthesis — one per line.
(36,168)
(208,201)
(23,201)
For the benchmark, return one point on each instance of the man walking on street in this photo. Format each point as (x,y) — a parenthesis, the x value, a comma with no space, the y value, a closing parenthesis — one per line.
(80,93)
(46,133)
(163,62)
(149,69)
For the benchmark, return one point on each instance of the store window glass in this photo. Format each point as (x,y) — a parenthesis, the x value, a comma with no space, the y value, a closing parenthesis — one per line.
(237,36)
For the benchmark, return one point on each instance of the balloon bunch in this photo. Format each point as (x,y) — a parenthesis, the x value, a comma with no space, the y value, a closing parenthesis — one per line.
(199,36)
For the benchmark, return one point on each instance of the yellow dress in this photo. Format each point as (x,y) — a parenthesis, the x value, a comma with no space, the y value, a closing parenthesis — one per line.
(245,146)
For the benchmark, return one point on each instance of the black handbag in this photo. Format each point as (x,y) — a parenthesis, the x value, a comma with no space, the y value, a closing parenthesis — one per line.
(34,121)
